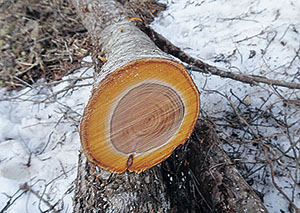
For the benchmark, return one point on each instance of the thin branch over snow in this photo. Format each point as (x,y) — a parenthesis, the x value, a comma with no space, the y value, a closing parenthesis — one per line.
(48,152)
(200,66)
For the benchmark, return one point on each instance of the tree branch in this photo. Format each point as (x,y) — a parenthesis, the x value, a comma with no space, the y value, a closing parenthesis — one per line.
(200,66)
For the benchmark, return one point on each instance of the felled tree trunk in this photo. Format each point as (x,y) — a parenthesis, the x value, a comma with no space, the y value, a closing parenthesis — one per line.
(200,177)
(143,105)
(98,190)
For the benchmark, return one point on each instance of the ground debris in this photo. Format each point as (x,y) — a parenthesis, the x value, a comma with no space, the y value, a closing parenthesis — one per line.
(39,39)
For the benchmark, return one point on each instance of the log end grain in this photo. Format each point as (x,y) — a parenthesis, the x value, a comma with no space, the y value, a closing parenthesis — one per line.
(138,114)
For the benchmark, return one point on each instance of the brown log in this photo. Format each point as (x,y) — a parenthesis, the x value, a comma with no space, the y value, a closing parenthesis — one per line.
(202,178)
(144,103)
(199,177)
(98,190)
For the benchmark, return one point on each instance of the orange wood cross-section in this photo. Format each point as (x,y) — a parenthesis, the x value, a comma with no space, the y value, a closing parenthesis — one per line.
(139,114)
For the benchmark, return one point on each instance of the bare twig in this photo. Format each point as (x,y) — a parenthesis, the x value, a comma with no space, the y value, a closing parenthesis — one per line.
(49,139)
(39,86)
(296,56)
(275,184)
(264,146)
(25,187)
(200,66)
(63,169)
(258,139)
(196,184)
(11,201)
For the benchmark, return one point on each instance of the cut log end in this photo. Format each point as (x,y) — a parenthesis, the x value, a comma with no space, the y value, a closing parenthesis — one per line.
(145,118)
(139,114)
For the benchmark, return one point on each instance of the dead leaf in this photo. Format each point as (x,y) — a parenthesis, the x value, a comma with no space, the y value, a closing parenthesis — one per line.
(247,100)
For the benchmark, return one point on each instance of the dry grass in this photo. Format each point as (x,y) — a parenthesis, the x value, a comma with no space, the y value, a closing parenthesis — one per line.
(39,39)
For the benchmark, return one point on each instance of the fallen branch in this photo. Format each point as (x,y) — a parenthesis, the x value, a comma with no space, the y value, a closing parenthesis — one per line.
(292,204)
(200,66)
(11,201)
(200,177)
(264,147)
(25,187)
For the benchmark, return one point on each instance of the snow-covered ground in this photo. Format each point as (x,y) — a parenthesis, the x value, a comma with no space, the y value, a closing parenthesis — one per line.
(39,141)
(254,37)
(39,144)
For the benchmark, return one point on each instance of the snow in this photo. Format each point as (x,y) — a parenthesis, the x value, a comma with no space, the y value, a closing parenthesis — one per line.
(39,141)
(39,144)
(255,38)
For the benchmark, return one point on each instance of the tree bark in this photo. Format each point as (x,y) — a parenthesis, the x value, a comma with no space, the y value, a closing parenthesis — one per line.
(144,103)
(98,190)
(198,177)
(124,48)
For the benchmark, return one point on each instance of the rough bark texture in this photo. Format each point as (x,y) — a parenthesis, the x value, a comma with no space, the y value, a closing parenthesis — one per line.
(198,177)
(96,15)
(120,42)
(132,60)
(100,191)
(201,177)
(118,39)
(123,42)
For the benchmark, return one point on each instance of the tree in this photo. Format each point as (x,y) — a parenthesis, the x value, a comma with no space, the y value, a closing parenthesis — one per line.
(115,135)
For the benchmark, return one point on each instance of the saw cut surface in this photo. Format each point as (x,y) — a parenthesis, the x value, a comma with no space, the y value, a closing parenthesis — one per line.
(139,114)
(145,118)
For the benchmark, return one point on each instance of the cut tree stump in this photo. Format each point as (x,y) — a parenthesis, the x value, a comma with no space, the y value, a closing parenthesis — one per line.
(144,103)
(161,105)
